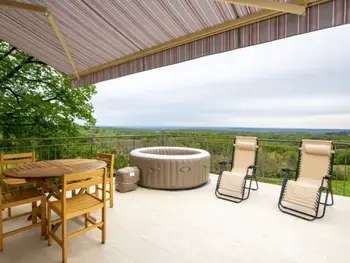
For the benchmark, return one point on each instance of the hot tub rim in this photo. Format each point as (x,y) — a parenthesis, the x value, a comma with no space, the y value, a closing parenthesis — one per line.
(198,155)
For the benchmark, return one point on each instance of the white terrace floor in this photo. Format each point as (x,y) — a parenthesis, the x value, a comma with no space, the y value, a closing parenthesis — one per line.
(194,226)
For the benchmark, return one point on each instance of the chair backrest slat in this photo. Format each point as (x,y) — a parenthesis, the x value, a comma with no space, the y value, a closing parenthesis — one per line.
(17,161)
(84,184)
(82,181)
(244,152)
(84,175)
(12,156)
(9,160)
(315,159)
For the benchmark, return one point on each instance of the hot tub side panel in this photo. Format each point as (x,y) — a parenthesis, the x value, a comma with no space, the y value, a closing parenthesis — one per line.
(172,174)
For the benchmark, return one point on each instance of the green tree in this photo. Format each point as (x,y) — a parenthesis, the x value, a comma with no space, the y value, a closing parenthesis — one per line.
(37,101)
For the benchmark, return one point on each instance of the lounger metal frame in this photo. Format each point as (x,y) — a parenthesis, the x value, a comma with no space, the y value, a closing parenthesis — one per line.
(328,190)
(250,178)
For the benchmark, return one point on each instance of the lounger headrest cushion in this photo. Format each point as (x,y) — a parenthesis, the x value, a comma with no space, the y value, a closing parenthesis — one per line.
(247,146)
(323,150)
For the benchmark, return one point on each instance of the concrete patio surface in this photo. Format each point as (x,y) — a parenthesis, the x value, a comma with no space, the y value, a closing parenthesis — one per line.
(194,226)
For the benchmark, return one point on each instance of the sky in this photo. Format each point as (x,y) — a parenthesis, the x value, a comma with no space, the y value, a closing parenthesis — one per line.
(297,82)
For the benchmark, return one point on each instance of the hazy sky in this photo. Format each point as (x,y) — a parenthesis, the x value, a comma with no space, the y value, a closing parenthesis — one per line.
(298,82)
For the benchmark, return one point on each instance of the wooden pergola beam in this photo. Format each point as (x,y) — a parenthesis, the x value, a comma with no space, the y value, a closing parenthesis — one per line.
(271,5)
(23,6)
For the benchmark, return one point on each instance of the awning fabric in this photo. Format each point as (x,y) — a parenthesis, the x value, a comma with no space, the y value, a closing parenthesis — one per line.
(100,35)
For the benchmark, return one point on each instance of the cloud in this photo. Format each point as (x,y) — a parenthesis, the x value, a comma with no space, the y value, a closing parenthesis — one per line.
(300,82)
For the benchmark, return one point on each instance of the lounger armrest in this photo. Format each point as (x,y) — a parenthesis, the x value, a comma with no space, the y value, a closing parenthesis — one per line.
(225,162)
(223,165)
(288,170)
(328,176)
(253,167)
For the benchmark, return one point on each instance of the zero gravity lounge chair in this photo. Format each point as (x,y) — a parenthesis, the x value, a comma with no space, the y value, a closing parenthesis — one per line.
(235,185)
(302,197)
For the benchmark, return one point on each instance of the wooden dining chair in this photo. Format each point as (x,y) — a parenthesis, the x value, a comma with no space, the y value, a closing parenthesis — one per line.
(11,160)
(109,159)
(78,205)
(17,198)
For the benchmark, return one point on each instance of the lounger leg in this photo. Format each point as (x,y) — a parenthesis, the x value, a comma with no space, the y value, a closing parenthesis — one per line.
(324,204)
(331,192)
(332,198)
(256,183)
(247,188)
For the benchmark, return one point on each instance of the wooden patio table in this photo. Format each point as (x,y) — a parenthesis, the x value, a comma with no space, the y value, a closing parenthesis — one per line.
(43,172)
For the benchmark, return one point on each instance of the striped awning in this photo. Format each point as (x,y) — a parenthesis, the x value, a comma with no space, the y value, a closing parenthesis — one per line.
(113,38)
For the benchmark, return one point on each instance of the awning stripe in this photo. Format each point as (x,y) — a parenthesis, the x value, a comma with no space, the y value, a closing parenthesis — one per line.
(102,31)
(317,17)
(101,34)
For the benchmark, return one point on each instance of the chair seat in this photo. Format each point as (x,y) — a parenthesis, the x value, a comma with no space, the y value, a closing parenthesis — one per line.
(232,183)
(13,182)
(301,196)
(77,205)
(10,198)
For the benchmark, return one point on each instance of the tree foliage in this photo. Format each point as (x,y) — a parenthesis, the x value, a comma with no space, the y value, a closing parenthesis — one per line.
(37,101)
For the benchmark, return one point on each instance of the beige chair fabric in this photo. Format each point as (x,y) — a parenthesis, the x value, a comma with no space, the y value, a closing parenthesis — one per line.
(233,183)
(315,161)
(245,148)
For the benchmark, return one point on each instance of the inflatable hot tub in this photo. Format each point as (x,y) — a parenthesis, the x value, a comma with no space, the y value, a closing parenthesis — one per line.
(171,167)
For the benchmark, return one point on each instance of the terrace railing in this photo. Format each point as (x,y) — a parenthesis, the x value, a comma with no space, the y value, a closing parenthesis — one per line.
(273,154)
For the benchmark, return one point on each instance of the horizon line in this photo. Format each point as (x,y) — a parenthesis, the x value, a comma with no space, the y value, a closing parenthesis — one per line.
(222,127)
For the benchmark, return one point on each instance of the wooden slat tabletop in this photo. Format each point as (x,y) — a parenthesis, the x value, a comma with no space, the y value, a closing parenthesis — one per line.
(54,168)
